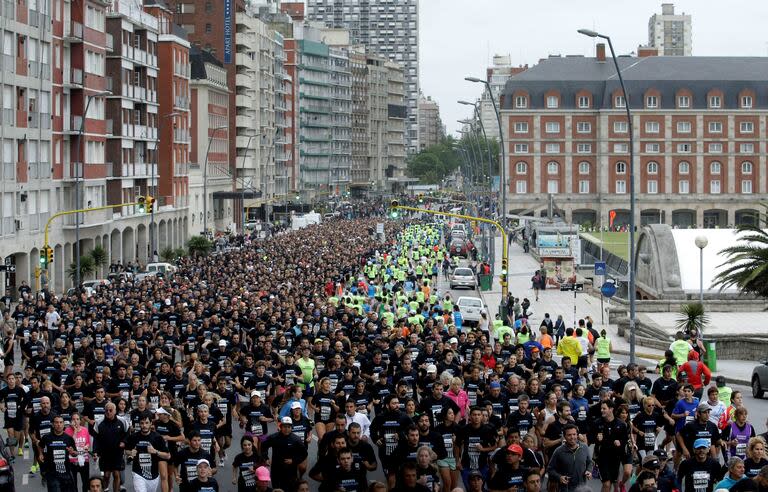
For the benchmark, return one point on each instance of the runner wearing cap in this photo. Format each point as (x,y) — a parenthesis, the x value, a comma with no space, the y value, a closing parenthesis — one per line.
(170,431)
(187,459)
(204,482)
(699,428)
(508,471)
(288,456)
(254,418)
(700,472)
(301,425)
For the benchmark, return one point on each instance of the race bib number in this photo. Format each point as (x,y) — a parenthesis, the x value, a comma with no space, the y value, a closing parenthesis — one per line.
(11,407)
(390,441)
(650,440)
(741,450)
(700,481)
(145,463)
(325,412)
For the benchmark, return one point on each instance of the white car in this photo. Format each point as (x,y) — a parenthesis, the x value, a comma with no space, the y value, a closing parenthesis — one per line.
(471,308)
(463,277)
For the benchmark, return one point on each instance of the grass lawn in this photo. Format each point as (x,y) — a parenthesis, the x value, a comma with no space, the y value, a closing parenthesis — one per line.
(615,242)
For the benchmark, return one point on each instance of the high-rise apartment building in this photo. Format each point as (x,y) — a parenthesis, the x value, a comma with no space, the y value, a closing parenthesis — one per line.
(670,33)
(497,75)
(430,125)
(386,27)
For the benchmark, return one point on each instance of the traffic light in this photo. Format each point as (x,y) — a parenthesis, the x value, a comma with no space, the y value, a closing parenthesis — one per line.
(421,198)
(49,254)
(394,213)
(43,259)
(504,268)
(142,204)
(150,204)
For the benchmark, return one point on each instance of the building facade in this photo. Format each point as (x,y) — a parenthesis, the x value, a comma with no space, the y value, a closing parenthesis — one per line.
(385,27)
(699,139)
(670,33)
(497,75)
(430,125)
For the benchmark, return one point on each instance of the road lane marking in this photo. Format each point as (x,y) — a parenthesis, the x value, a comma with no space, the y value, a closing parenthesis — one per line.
(25,479)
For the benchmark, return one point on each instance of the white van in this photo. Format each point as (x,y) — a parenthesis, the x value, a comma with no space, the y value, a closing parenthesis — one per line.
(166,269)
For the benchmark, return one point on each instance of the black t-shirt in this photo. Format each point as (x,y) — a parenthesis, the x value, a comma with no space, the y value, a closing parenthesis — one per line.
(699,476)
(56,452)
(695,430)
(523,423)
(362,452)
(144,463)
(752,467)
(648,424)
(170,429)
(186,461)
(246,478)
(14,402)
(506,478)
(209,485)
(468,438)
(747,485)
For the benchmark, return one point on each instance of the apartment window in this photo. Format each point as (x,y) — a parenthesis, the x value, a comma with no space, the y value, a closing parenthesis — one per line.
(652,148)
(651,102)
(619,102)
(621,186)
(583,167)
(552,127)
(521,187)
(584,186)
(683,168)
(746,102)
(715,127)
(620,127)
(714,186)
(521,168)
(746,186)
(583,102)
(714,102)
(583,148)
(521,148)
(683,148)
(208,7)
(620,148)
(715,148)
(583,127)
(747,148)
(552,186)
(683,127)
(521,102)
(746,127)
(683,187)
(746,167)
(553,168)
(652,127)
(208,28)
(553,102)
(653,186)
(621,168)
(521,127)
(552,148)
(683,102)
(715,168)
(653,167)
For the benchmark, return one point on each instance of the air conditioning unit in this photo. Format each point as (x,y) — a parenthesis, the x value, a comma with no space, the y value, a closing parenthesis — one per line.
(19,224)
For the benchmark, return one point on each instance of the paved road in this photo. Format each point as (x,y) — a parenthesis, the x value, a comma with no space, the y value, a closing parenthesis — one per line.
(758,415)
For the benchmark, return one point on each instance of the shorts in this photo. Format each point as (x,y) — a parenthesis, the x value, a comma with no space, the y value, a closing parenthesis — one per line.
(318,420)
(111,463)
(449,463)
(16,423)
(609,467)
(141,484)
(603,360)
(224,431)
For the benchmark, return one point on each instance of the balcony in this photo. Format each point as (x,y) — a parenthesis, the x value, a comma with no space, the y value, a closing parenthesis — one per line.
(242,121)
(181,102)
(181,135)
(244,60)
(109,43)
(72,170)
(73,32)
(243,80)
(243,101)
(75,79)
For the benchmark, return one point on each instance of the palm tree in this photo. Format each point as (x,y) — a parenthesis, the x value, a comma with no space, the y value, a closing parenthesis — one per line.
(168,254)
(692,317)
(199,246)
(100,257)
(747,264)
(87,267)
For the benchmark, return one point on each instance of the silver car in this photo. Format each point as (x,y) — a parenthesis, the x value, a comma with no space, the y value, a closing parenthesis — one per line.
(760,379)
(463,277)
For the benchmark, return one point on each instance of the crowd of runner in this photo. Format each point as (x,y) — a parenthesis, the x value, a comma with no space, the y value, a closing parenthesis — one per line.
(337,356)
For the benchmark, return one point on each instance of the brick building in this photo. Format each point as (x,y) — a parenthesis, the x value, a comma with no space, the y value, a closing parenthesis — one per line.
(700,139)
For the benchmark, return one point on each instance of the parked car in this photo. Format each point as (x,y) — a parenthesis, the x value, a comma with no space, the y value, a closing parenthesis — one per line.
(463,277)
(94,284)
(760,379)
(7,483)
(163,269)
(461,247)
(471,308)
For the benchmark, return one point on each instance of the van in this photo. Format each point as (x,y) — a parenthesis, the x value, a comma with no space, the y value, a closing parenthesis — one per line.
(165,269)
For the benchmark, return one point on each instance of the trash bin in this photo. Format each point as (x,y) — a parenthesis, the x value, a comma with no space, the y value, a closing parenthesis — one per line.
(710,357)
(486,282)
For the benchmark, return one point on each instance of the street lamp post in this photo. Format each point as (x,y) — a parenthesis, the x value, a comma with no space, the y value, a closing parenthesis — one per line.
(205,178)
(503,173)
(701,243)
(152,227)
(79,176)
(631,293)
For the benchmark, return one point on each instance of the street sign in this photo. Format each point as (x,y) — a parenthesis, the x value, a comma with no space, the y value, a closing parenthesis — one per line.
(380,227)
(11,268)
(608,289)
(599,268)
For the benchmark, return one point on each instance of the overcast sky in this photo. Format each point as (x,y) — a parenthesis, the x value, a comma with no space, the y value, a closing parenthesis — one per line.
(460,37)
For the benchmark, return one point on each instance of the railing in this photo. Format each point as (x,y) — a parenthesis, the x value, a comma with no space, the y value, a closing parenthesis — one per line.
(9,63)
(8,9)
(180,168)
(45,71)
(109,42)
(33,120)
(72,170)
(8,117)
(45,170)
(76,77)
(109,83)
(181,102)
(73,31)
(33,20)
(77,123)
(109,126)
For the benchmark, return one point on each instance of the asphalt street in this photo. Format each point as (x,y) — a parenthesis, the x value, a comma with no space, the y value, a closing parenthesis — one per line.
(758,413)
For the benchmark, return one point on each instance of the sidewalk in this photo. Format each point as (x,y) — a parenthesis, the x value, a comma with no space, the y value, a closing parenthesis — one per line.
(574,307)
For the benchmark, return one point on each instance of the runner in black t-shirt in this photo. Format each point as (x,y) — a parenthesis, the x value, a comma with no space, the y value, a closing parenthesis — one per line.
(147,448)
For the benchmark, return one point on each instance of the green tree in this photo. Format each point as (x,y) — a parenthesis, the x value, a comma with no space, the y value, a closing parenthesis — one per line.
(747,263)
(87,268)
(100,258)
(168,254)
(199,246)
(692,316)
(180,252)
